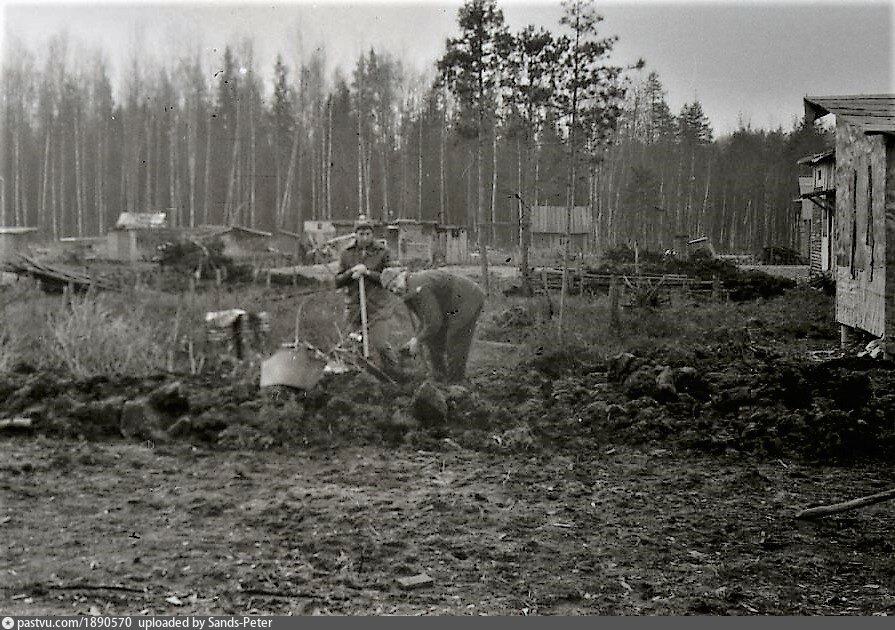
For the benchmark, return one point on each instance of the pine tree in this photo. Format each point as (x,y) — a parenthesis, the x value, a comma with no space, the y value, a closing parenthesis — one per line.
(473,68)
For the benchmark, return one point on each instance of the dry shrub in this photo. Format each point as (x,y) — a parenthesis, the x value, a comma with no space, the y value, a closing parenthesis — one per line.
(93,336)
(8,351)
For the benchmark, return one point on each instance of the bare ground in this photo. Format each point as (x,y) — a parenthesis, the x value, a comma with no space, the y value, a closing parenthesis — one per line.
(623,531)
(561,486)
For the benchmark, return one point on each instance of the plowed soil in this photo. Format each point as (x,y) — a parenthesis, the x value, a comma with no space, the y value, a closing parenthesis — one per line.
(649,484)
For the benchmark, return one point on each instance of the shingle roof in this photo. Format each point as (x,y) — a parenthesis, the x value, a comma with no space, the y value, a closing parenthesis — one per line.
(872,113)
(140,220)
(817,157)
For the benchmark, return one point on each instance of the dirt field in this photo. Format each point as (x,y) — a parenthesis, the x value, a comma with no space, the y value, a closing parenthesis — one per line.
(647,478)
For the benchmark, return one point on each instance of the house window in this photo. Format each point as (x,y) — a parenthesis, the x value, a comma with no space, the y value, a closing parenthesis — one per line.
(868,238)
(854,223)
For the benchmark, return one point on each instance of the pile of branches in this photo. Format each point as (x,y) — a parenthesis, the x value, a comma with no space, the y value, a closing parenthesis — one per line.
(741,285)
(200,259)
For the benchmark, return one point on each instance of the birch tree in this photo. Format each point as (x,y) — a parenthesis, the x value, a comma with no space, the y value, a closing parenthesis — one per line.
(589,97)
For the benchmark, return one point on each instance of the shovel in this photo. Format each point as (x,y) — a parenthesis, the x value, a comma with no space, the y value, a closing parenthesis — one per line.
(363,316)
(294,364)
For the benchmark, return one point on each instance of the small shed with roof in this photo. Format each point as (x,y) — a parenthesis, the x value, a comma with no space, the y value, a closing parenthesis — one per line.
(16,240)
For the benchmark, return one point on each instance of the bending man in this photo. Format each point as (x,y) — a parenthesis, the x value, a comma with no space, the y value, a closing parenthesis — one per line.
(447,308)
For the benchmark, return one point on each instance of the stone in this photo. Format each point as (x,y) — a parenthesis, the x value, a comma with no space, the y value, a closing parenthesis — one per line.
(101,417)
(621,365)
(170,398)
(140,420)
(415,581)
(665,387)
(429,405)
(641,383)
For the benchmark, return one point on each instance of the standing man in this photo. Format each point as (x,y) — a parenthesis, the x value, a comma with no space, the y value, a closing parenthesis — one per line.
(365,258)
(447,308)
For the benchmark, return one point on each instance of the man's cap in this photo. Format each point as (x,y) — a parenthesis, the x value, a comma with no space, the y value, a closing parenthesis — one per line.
(363,222)
(389,275)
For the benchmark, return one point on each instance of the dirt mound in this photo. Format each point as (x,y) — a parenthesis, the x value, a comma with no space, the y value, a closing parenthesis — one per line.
(837,411)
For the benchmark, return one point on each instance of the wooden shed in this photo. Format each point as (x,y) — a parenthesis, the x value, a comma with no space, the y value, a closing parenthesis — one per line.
(548,228)
(818,195)
(864,242)
(318,232)
(451,244)
(16,240)
(411,241)
(239,241)
(136,236)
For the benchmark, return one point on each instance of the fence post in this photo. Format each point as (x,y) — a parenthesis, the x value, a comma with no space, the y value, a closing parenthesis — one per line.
(716,287)
(614,319)
(581,275)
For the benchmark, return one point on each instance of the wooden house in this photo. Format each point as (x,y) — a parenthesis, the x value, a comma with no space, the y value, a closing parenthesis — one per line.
(804,212)
(428,242)
(451,244)
(290,243)
(818,195)
(318,232)
(15,241)
(548,228)
(136,236)
(864,239)
(411,242)
(239,242)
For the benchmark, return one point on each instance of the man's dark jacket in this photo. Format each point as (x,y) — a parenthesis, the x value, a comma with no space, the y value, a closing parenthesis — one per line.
(376,257)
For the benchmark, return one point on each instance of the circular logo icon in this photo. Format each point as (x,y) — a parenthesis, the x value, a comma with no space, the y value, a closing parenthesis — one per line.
(8,623)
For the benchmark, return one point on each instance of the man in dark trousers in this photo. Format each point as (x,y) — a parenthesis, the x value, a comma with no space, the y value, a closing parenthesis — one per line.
(447,308)
(365,258)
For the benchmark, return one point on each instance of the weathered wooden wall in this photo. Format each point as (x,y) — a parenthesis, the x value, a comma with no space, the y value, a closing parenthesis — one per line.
(861,265)
(889,244)
(552,220)
(14,243)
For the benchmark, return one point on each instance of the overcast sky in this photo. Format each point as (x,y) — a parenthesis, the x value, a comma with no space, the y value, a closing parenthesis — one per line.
(754,61)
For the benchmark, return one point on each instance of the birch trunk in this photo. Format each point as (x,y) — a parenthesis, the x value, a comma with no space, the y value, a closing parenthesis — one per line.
(191,150)
(172,163)
(44,186)
(207,177)
(329,163)
(79,209)
(493,236)
(419,173)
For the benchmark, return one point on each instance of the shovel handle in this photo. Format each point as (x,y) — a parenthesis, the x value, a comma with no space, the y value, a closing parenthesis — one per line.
(363,316)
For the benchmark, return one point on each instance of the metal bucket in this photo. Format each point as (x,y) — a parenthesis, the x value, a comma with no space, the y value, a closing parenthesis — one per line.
(297,367)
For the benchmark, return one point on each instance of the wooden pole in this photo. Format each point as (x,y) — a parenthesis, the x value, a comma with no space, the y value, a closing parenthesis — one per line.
(363,316)
(614,319)
(581,275)
(824,510)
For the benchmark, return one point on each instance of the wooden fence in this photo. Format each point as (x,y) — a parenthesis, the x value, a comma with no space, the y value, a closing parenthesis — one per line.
(581,281)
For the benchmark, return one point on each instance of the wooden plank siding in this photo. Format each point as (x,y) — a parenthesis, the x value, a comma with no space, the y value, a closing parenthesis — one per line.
(861,264)
(552,220)
(889,244)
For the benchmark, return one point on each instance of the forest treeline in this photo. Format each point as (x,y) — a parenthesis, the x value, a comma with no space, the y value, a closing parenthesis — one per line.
(503,121)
